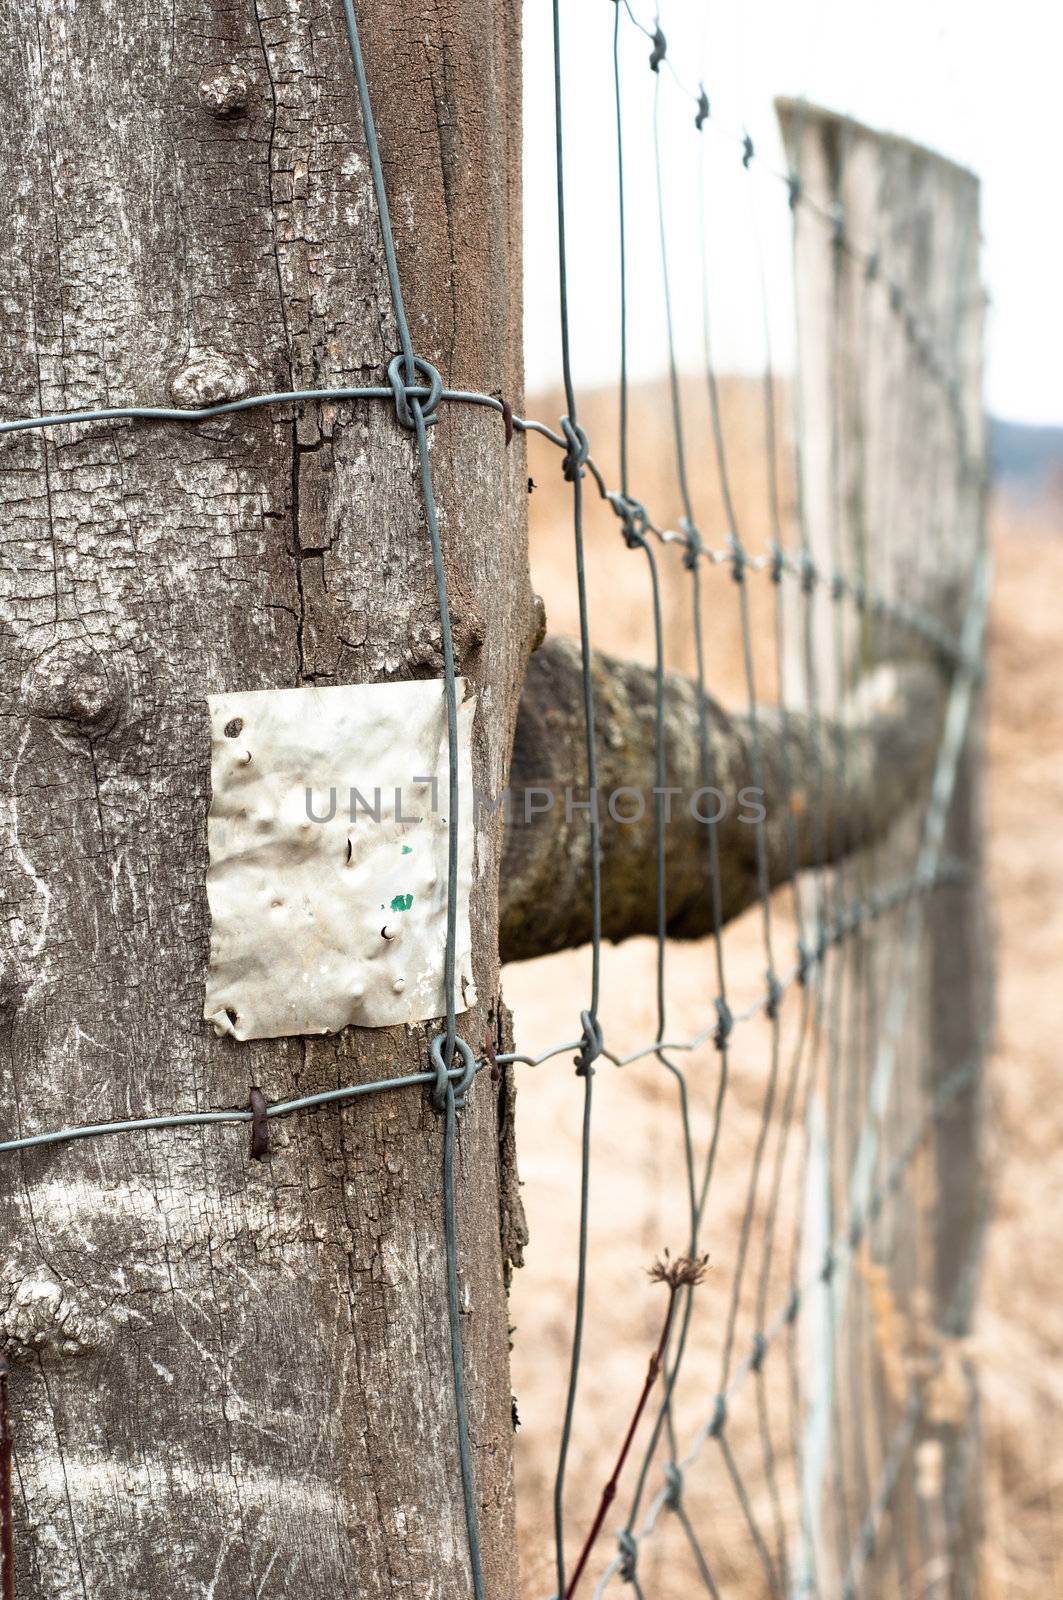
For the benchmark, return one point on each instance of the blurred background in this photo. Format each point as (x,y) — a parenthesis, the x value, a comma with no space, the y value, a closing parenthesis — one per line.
(982,89)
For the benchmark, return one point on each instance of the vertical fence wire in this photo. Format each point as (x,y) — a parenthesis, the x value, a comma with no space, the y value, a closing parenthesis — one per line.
(859,922)
(591,1037)
(851,931)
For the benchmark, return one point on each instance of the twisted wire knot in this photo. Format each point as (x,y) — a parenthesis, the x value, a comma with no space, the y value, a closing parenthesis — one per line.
(760,1350)
(633,518)
(402,390)
(673,1479)
(809,574)
(778,561)
(660,50)
(738,558)
(444,1077)
(793,185)
(775,994)
(719,1418)
(703,111)
(577,452)
(591,1046)
(748,151)
(724,1023)
(694,545)
(628,1546)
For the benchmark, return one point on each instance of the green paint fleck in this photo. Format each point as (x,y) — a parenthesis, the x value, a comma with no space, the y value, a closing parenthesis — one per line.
(402,902)
(407,849)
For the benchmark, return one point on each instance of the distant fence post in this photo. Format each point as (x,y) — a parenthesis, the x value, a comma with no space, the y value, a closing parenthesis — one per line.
(891,442)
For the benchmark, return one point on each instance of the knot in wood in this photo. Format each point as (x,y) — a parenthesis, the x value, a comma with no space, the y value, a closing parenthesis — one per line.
(38,1314)
(224,91)
(77,686)
(210,379)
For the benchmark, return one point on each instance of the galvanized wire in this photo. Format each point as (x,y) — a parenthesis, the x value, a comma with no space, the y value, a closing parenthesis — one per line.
(830,917)
(844,907)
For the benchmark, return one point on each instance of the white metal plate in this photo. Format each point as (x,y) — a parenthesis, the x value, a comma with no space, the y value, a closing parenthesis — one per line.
(316,925)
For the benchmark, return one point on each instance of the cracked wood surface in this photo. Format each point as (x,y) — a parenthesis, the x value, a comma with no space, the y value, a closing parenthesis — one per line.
(893,489)
(233,1378)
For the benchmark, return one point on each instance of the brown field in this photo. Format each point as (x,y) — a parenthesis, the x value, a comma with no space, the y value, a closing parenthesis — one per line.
(638,1186)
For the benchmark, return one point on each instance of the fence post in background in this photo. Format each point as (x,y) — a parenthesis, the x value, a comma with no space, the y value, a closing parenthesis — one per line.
(891,442)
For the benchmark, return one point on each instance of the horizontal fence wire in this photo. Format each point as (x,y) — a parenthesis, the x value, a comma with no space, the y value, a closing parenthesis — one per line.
(842,1249)
(837,915)
(238,1114)
(844,923)
(837,921)
(778,561)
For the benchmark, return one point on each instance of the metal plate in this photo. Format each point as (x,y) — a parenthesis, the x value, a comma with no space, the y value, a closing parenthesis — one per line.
(322,920)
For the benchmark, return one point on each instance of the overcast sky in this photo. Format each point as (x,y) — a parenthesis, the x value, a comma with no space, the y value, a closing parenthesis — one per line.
(980,83)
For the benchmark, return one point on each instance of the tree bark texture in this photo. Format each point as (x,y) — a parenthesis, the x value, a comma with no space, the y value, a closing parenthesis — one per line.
(822,784)
(232,1379)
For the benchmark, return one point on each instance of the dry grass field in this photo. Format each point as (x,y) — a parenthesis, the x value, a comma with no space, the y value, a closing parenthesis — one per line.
(638,1183)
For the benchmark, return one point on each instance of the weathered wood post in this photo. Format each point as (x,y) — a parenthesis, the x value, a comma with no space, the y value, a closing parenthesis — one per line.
(233,1378)
(891,437)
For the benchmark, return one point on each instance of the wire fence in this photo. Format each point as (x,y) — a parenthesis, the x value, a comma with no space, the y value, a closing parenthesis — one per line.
(848,1105)
(856,1064)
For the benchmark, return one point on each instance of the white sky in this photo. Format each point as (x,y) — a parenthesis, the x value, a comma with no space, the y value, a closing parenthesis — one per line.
(981,83)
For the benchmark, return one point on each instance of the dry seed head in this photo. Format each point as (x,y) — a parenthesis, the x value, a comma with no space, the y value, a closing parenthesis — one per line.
(684,1270)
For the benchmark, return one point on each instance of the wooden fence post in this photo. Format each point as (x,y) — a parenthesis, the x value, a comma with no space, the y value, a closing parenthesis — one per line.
(233,1377)
(891,443)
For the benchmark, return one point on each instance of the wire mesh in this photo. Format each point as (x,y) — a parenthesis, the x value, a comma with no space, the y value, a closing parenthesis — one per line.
(822,1326)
